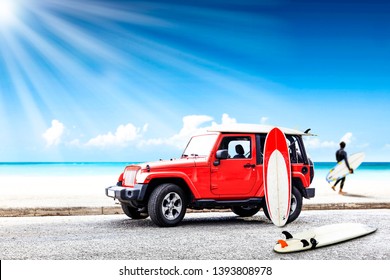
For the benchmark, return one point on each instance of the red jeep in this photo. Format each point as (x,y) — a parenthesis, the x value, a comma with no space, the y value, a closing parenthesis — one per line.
(222,168)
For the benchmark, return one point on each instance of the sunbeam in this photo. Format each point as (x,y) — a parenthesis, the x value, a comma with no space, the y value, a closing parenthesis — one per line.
(8,9)
(95,65)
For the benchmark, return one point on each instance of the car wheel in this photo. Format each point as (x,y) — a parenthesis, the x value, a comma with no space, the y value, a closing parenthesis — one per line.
(245,211)
(167,205)
(134,213)
(295,207)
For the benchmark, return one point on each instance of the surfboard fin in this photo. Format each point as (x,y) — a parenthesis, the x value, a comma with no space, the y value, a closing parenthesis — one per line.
(282,243)
(287,234)
(313,243)
(305,243)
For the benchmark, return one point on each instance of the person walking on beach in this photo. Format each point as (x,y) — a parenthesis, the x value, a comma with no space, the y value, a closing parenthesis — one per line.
(341,155)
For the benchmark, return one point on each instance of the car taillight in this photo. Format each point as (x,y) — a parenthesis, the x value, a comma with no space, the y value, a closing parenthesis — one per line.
(129,176)
(311,171)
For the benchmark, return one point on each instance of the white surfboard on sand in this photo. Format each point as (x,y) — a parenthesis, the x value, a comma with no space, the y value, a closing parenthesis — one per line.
(341,170)
(321,236)
(277,177)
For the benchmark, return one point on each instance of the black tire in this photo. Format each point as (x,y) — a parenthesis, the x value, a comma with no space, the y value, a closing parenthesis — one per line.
(134,213)
(296,205)
(245,211)
(295,208)
(265,210)
(167,205)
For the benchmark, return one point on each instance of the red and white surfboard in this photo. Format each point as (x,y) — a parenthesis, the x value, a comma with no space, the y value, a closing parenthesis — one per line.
(277,177)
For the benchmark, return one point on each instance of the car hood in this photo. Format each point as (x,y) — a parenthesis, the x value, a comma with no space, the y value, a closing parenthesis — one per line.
(174,163)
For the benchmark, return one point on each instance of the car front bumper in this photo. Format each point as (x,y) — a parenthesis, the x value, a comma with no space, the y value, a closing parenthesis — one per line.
(126,194)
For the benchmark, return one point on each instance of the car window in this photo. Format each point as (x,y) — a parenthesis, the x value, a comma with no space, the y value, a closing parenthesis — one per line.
(260,143)
(294,148)
(238,147)
(200,145)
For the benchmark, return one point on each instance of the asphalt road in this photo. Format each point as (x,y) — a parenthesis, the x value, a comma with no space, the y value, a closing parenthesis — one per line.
(201,236)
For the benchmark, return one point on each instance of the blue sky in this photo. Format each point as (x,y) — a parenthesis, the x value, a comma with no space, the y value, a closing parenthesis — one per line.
(98,80)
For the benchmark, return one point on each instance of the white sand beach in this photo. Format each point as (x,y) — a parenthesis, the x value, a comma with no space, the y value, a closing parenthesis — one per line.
(358,189)
(55,191)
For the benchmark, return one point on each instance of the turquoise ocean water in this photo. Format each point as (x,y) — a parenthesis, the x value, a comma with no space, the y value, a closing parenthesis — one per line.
(376,169)
(62,168)
(366,171)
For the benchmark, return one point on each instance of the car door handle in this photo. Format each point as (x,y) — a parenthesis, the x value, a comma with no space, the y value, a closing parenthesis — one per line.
(248,165)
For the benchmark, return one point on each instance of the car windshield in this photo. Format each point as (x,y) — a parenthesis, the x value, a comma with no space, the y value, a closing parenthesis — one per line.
(200,145)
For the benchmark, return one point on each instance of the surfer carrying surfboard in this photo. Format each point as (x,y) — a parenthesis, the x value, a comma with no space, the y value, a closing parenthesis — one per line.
(341,155)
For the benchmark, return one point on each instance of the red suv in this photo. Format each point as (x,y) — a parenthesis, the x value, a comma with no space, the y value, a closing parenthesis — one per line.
(222,168)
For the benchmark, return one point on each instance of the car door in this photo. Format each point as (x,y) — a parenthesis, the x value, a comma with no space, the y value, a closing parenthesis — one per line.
(235,175)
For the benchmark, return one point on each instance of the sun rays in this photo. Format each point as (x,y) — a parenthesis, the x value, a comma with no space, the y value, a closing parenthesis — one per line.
(7,12)
(56,53)
(94,64)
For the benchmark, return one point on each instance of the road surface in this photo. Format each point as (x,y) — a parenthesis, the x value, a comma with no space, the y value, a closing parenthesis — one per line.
(200,236)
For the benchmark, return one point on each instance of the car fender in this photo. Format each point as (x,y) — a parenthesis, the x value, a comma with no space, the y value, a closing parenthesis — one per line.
(148,177)
(301,177)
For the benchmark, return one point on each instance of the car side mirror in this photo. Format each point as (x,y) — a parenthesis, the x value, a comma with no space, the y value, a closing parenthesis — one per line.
(220,154)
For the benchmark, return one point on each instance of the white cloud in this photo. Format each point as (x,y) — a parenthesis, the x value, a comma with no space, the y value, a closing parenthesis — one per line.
(192,125)
(228,120)
(264,120)
(316,143)
(347,138)
(145,127)
(54,133)
(122,136)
